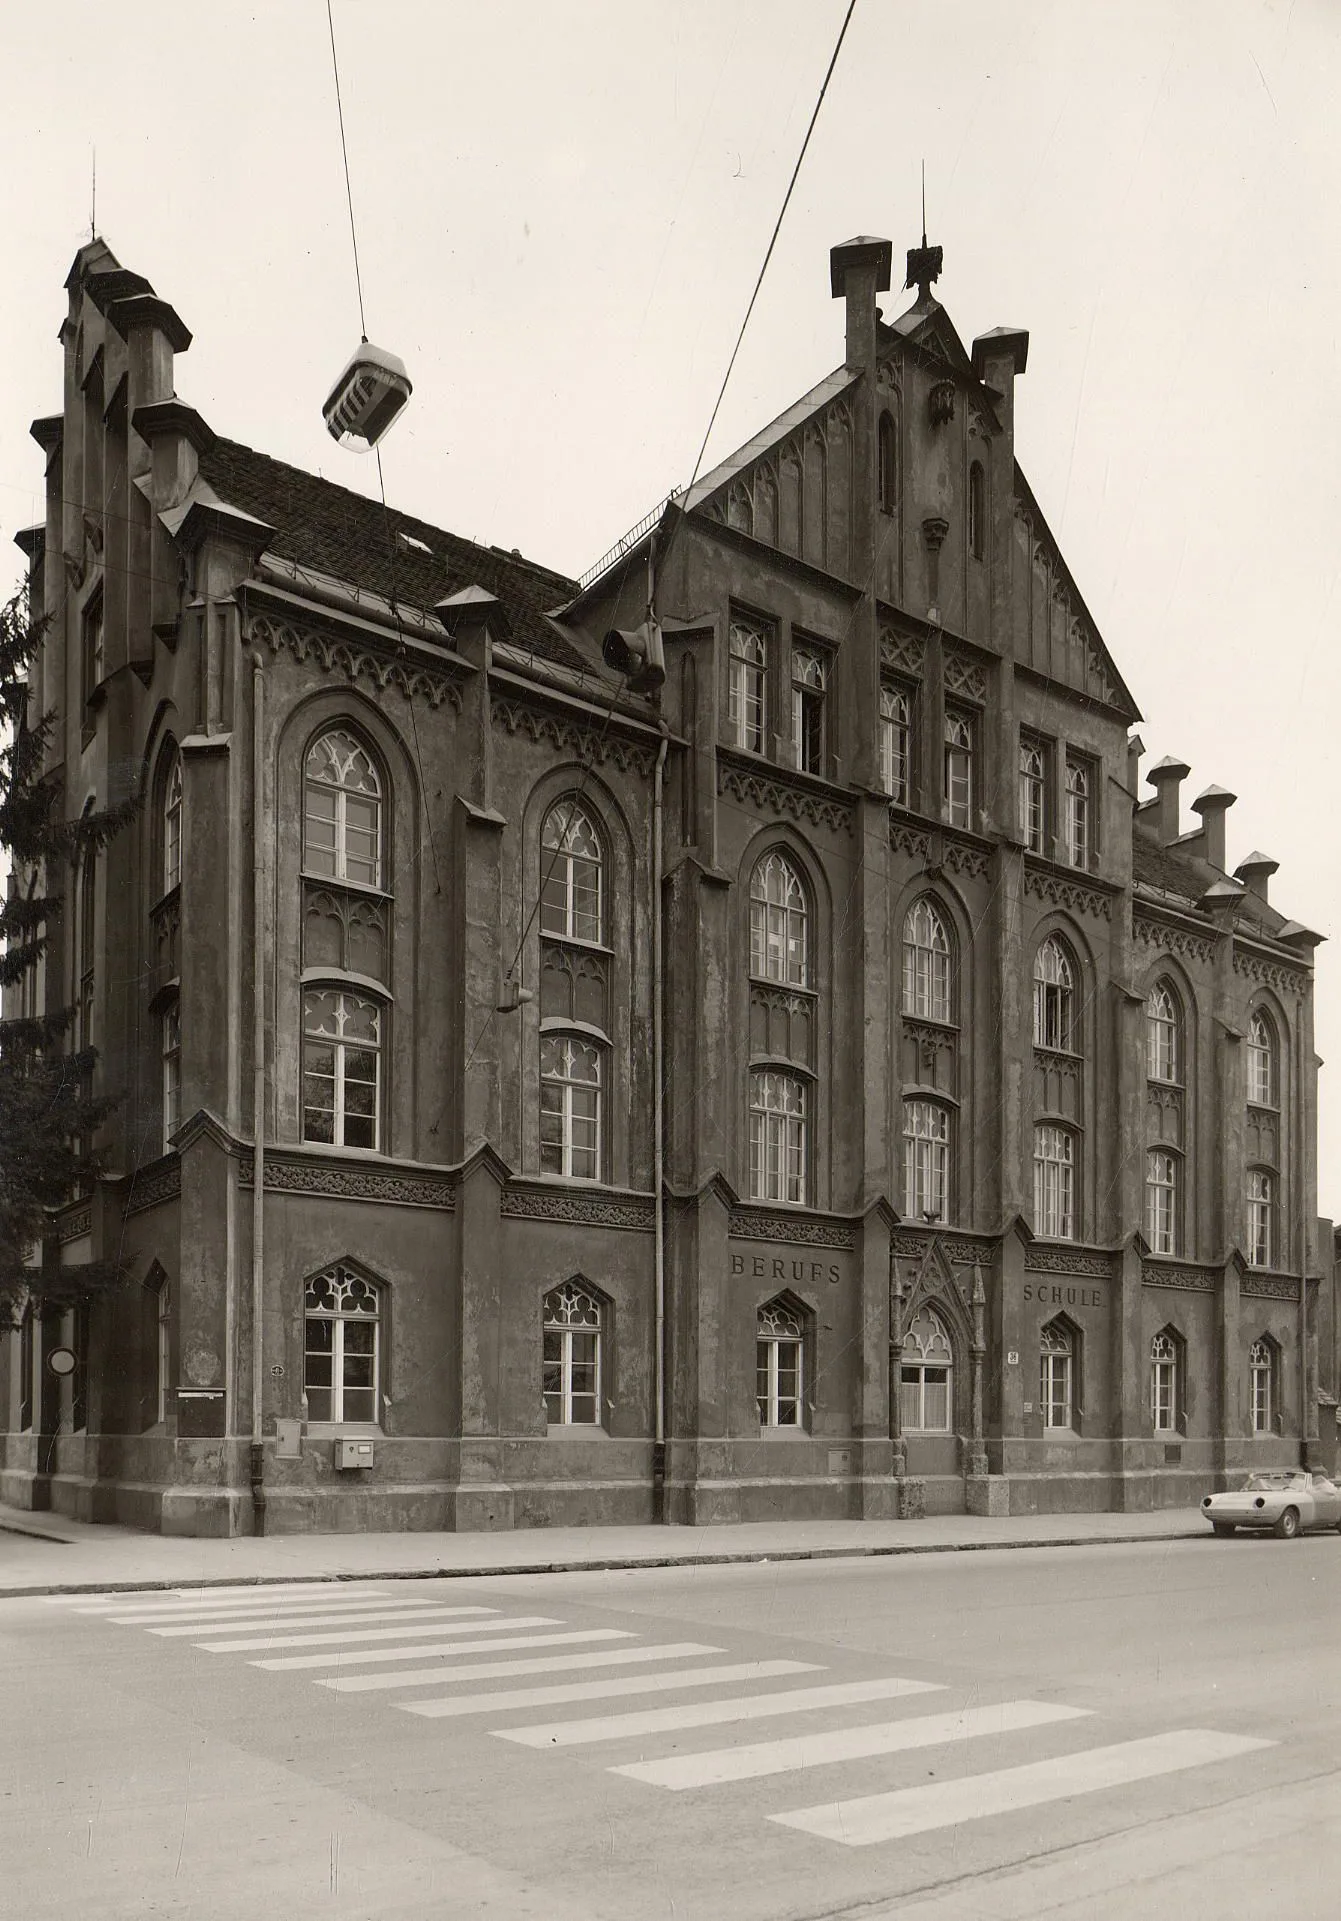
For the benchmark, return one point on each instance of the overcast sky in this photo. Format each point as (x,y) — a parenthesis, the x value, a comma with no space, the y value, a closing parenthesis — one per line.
(562,205)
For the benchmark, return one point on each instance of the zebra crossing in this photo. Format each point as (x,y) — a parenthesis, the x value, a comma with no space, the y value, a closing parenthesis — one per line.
(424,1655)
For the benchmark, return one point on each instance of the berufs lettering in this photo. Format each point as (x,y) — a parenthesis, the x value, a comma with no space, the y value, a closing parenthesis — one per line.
(765,1267)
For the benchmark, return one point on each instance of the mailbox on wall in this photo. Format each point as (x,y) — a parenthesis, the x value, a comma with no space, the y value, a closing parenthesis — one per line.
(353,1454)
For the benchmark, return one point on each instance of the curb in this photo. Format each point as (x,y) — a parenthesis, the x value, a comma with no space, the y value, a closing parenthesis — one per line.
(607,1565)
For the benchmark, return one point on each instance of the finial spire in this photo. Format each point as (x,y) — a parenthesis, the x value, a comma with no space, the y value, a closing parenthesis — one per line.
(93,199)
(924,262)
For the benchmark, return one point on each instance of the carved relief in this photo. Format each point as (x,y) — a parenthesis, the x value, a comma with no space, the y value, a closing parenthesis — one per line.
(74,1222)
(1176,940)
(901,652)
(1263,1142)
(782,1024)
(574,984)
(1270,973)
(1269,1287)
(587,744)
(773,793)
(356,662)
(962,1251)
(347,931)
(1191,1280)
(913,841)
(350,1182)
(160,1182)
(965,676)
(1164,1109)
(582,1210)
(961,857)
(1057,1084)
(789,1228)
(1074,895)
(1060,1260)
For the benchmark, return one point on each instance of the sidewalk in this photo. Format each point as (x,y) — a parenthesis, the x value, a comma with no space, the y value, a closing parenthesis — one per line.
(47,1554)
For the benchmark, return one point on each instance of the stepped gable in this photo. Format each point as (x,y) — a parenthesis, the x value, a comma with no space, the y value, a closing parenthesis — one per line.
(322,525)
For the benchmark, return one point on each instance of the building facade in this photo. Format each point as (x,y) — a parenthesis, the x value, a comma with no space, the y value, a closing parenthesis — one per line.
(821,1085)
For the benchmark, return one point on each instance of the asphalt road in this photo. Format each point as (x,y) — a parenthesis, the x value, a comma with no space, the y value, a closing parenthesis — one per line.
(1113,1731)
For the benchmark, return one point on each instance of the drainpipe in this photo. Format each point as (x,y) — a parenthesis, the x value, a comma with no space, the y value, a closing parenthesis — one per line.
(258,1095)
(658,1095)
(1301,1175)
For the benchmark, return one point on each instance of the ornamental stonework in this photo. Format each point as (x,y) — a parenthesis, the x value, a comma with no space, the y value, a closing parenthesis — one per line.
(412,678)
(960,1250)
(352,1183)
(1268,973)
(161,1182)
(748,1225)
(1269,1287)
(902,653)
(913,841)
(74,1222)
(1175,940)
(961,857)
(1190,1280)
(1059,1260)
(1059,890)
(965,676)
(589,745)
(767,793)
(580,1210)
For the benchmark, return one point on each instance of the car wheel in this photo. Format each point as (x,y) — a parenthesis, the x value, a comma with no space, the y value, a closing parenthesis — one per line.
(1223,1527)
(1288,1525)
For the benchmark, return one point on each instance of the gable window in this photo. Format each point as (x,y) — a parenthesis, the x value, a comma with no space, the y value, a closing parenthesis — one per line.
(1262,1385)
(342,1348)
(926,1159)
(572,1356)
(570,1107)
(779,918)
(1054,997)
(977,510)
(747,668)
(342,811)
(1161,1200)
(1163,1022)
(1054,1370)
(1165,1385)
(888,449)
(779,1365)
(172,825)
(1261,1061)
(809,678)
(1261,1217)
(925,1375)
(926,963)
(958,770)
(779,1144)
(342,1068)
(172,1072)
(571,900)
(1033,796)
(1054,1182)
(895,742)
(1077,813)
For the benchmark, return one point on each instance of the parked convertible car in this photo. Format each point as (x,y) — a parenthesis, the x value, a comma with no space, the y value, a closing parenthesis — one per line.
(1286,1500)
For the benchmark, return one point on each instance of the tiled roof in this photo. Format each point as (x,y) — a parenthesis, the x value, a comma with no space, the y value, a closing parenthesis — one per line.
(331,529)
(1186,877)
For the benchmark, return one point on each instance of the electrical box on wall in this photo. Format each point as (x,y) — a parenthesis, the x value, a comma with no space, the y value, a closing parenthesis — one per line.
(353,1454)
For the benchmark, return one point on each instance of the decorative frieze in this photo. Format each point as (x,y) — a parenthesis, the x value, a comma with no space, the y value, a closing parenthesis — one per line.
(74,1222)
(592,746)
(790,1229)
(1269,973)
(901,653)
(773,793)
(414,679)
(960,1250)
(964,676)
(962,857)
(1061,1260)
(913,841)
(351,1182)
(1269,1287)
(1060,890)
(579,1210)
(160,1182)
(1191,1280)
(1175,940)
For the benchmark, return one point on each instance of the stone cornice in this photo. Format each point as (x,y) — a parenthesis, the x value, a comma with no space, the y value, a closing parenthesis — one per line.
(766,787)
(526,711)
(355,660)
(1070,888)
(1262,965)
(1177,933)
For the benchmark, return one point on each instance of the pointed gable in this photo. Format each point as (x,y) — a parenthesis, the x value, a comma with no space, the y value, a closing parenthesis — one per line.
(1051,628)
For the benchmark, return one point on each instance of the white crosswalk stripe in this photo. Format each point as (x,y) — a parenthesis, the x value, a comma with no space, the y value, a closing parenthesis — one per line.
(339,1609)
(891,1817)
(552,1664)
(506,1700)
(704,1714)
(403,1631)
(257,1594)
(359,1617)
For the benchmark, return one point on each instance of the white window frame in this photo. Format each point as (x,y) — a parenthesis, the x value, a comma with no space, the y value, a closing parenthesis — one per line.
(779,923)
(810,680)
(958,770)
(779,1358)
(1164,1383)
(172,1070)
(1033,796)
(572,1339)
(779,1137)
(1077,818)
(747,686)
(345,1286)
(172,824)
(1056,1375)
(1163,1036)
(896,720)
(926,963)
(164,1330)
(926,1160)
(345,753)
(1054,1182)
(1261,1200)
(931,1353)
(343,1043)
(1262,1386)
(1054,998)
(1162,1200)
(1262,1061)
(576,1101)
(572,875)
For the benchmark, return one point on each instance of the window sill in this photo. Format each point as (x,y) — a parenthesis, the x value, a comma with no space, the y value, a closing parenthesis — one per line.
(784,1434)
(588,1430)
(351,886)
(343,1431)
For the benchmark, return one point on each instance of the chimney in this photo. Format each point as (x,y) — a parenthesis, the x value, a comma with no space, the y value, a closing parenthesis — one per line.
(858,271)
(1135,749)
(1213,805)
(177,436)
(154,332)
(998,356)
(1166,777)
(1255,871)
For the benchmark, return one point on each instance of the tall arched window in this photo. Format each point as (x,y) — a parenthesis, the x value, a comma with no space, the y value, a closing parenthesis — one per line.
(172,824)
(779,1137)
(1033,796)
(1077,814)
(888,448)
(1261,1217)
(779,1364)
(895,742)
(1162,1198)
(977,510)
(572,1356)
(1262,1075)
(1056,1354)
(1163,1035)
(570,1107)
(1054,997)
(342,811)
(779,918)
(747,671)
(1166,1386)
(571,868)
(1054,1182)
(810,675)
(925,1376)
(1262,1385)
(926,963)
(342,1348)
(958,770)
(342,1068)
(926,1160)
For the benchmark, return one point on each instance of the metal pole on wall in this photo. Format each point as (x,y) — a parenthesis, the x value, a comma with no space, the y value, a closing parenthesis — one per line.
(258,1097)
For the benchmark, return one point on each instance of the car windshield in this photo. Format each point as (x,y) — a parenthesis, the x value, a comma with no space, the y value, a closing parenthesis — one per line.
(1263,1483)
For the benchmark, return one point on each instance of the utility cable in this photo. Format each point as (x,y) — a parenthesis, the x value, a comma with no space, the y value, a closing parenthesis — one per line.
(344,151)
(409,691)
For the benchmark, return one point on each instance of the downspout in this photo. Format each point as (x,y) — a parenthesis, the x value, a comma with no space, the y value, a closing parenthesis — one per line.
(258,1094)
(1306,1409)
(658,1100)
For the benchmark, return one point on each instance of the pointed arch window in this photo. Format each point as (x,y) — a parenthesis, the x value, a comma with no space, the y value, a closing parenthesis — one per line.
(1162,1198)
(572,1356)
(1163,1035)
(1262,1385)
(747,672)
(888,449)
(977,510)
(1262,1064)
(172,824)
(342,1348)
(172,1071)
(1054,1182)
(1166,1385)
(1077,813)
(571,1117)
(926,963)
(1056,1364)
(342,811)
(1033,795)
(779,1137)
(926,1160)
(779,923)
(895,742)
(926,1375)
(810,675)
(958,770)
(1054,997)
(1261,1217)
(572,901)
(779,1365)
(163,1319)
(342,1068)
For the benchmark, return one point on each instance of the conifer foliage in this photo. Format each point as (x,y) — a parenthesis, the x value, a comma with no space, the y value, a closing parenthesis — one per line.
(48,1112)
